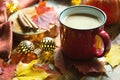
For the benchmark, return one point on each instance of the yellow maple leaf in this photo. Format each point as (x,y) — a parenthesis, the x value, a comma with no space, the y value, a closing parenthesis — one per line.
(113,57)
(75,2)
(26,71)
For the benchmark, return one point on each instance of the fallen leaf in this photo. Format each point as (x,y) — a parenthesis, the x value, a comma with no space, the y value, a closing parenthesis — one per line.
(59,60)
(6,70)
(46,16)
(42,8)
(26,71)
(76,2)
(93,66)
(113,57)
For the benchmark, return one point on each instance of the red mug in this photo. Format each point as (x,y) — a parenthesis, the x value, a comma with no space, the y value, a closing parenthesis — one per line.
(82,33)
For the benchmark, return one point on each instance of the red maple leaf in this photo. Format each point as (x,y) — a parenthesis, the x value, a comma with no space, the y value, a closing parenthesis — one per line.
(6,70)
(45,16)
(42,8)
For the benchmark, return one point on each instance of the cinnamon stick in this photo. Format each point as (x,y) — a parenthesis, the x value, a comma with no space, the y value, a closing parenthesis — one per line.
(23,23)
(26,22)
(34,26)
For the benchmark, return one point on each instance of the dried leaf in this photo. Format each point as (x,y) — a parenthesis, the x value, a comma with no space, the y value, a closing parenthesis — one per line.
(45,16)
(113,57)
(6,70)
(26,71)
(93,66)
(42,8)
(75,2)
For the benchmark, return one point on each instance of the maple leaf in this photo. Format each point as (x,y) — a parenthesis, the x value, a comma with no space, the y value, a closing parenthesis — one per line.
(6,70)
(93,66)
(45,20)
(76,2)
(113,57)
(42,8)
(26,71)
(46,16)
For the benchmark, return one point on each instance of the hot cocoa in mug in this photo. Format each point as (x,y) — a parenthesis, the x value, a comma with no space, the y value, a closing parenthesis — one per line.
(82,32)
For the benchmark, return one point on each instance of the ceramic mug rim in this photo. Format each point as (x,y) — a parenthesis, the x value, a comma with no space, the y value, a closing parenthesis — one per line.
(85,6)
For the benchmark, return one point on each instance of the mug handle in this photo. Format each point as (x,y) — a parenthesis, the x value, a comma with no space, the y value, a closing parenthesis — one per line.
(106,42)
